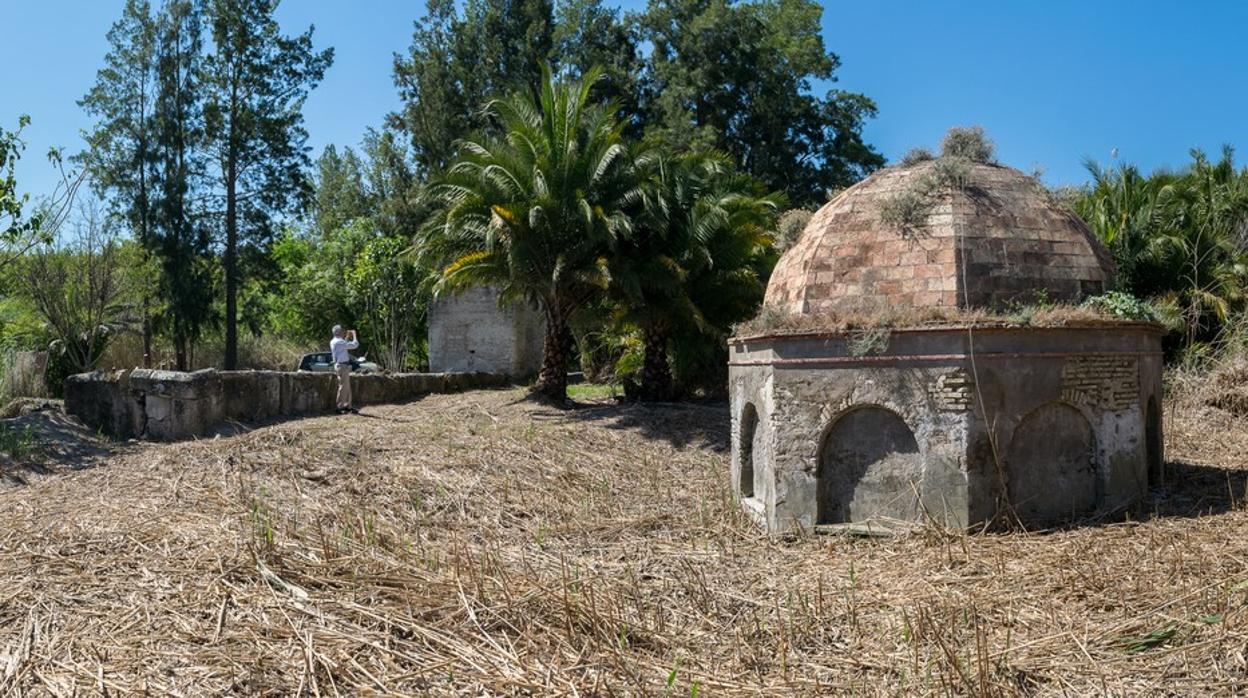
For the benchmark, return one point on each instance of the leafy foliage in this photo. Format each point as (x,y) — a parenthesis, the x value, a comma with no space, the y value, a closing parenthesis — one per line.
(693,262)
(16,228)
(534,211)
(968,142)
(80,289)
(739,77)
(1176,238)
(387,290)
(255,82)
(1122,305)
(458,62)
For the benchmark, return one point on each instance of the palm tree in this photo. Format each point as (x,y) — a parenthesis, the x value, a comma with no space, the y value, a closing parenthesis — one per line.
(1204,212)
(690,261)
(1121,209)
(1175,237)
(535,209)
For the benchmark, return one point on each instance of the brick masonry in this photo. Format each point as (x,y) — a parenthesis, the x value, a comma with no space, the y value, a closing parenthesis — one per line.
(998,240)
(1110,383)
(952,391)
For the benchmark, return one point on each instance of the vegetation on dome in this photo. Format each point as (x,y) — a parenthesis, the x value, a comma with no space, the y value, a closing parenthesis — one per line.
(1113,307)
(908,209)
(969,143)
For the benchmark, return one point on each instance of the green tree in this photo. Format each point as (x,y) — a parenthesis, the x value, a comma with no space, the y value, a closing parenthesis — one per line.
(1121,207)
(460,60)
(19,229)
(739,77)
(387,290)
(255,82)
(1204,213)
(396,192)
(181,237)
(80,290)
(688,264)
(534,211)
(312,292)
(588,34)
(339,193)
(1176,237)
(121,153)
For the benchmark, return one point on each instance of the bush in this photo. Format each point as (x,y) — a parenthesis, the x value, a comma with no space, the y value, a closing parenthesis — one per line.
(905,210)
(1122,305)
(951,173)
(968,142)
(916,155)
(790,227)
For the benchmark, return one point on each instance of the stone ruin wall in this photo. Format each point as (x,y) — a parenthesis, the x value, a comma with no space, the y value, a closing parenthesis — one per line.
(171,405)
(469,331)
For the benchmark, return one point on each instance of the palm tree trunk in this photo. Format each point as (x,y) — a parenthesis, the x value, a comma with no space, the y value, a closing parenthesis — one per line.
(656,375)
(552,381)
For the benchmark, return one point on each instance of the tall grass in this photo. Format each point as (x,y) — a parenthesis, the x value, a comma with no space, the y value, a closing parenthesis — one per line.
(22,375)
(261,353)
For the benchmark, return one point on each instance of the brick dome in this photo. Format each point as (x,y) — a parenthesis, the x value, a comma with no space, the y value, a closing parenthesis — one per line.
(940,233)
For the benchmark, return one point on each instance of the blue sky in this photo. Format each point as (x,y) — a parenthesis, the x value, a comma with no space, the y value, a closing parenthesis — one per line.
(1052,82)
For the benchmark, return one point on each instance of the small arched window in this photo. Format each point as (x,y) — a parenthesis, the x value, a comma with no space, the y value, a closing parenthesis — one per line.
(1152,442)
(749,428)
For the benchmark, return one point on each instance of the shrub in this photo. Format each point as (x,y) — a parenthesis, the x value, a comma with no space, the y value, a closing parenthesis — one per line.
(790,227)
(969,142)
(951,173)
(906,209)
(916,155)
(1122,305)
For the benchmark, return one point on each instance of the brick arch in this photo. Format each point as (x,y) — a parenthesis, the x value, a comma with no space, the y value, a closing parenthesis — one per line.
(869,466)
(1051,465)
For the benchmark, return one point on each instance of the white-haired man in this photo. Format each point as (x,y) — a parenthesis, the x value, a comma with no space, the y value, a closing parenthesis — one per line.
(340,346)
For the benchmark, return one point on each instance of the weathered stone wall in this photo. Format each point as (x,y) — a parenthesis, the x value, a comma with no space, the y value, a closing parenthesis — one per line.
(468,332)
(1055,421)
(171,405)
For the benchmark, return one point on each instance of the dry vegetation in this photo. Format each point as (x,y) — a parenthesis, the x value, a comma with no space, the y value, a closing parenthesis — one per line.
(481,544)
(776,321)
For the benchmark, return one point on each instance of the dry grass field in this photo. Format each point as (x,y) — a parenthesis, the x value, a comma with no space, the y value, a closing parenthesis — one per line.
(481,544)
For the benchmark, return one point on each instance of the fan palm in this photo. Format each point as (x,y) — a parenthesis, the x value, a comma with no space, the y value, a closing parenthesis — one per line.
(534,209)
(688,264)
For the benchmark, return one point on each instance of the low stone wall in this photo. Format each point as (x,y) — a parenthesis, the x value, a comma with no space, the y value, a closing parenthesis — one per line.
(171,405)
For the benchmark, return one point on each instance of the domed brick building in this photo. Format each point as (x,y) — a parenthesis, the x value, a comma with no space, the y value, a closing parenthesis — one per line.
(958,422)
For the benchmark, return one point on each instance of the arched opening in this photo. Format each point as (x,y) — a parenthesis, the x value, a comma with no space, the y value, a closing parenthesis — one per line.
(869,466)
(748,436)
(1152,442)
(1052,465)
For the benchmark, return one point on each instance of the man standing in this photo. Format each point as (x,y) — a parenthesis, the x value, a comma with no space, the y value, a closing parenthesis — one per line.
(340,346)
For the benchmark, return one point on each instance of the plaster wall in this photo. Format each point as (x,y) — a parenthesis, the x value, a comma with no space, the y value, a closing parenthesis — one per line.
(469,332)
(171,405)
(963,396)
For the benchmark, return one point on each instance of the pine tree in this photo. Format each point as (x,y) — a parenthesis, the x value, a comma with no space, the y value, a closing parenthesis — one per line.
(458,62)
(121,155)
(180,235)
(256,80)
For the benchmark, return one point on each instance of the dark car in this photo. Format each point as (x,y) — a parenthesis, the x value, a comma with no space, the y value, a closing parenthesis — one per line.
(323,362)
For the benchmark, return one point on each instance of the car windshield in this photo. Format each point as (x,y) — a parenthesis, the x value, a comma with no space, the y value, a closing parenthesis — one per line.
(311,361)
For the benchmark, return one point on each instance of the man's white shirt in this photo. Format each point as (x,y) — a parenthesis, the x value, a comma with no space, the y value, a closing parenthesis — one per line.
(340,347)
